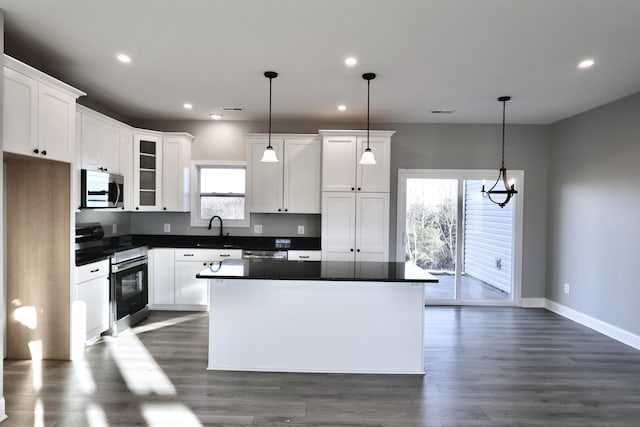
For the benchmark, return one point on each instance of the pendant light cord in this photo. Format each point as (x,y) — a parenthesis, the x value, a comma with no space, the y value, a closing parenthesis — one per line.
(368,97)
(504,107)
(269,145)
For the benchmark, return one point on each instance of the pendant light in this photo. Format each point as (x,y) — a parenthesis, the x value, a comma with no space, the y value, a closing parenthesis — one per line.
(509,187)
(367,156)
(269,155)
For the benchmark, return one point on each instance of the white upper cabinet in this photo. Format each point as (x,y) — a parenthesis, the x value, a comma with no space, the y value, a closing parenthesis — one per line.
(292,185)
(176,162)
(99,143)
(147,171)
(39,113)
(341,152)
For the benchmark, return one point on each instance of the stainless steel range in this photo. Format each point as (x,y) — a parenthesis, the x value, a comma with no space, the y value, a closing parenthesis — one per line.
(129,288)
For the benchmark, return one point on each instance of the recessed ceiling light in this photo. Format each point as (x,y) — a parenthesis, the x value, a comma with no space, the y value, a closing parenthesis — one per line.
(342,107)
(123,58)
(587,63)
(215,116)
(188,106)
(351,61)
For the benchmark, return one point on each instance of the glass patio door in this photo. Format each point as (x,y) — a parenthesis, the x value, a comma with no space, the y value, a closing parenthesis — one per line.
(447,228)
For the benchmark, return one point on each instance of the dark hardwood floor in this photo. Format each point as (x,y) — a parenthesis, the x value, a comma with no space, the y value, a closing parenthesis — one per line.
(485,367)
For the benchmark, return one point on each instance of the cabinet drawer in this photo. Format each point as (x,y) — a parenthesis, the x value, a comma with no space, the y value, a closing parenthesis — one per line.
(304,255)
(207,254)
(92,271)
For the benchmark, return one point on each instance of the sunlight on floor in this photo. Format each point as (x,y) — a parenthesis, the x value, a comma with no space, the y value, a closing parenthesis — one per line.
(84,376)
(169,414)
(38,414)
(138,368)
(95,416)
(162,324)
(35,347)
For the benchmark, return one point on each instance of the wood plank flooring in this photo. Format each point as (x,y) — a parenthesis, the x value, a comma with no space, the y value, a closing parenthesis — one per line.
(485,367)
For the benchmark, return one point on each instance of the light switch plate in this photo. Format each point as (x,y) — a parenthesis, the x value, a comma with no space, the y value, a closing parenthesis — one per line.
(257,228)
(167,228)
(114,228)
(301,229)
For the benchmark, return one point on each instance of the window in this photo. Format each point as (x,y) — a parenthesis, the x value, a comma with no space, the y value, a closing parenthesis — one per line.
(447,228)
(219,189)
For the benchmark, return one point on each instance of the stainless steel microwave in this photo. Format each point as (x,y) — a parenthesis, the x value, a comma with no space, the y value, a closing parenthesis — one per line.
(100,190)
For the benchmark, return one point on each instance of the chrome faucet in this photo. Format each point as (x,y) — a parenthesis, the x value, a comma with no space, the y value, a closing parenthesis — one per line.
(211,220)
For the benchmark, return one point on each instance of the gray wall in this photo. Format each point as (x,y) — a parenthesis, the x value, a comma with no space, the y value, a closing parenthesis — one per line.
(419,146)
(434,146)
(594,203)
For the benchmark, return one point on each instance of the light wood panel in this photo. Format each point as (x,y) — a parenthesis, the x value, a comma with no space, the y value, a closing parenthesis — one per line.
(38,257)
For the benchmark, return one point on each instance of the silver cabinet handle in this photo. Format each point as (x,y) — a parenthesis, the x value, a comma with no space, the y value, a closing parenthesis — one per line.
(95,270)
(303,256)
(224,255)
(188,255)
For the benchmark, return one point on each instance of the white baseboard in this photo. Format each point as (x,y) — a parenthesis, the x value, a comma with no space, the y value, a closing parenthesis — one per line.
(3,414)
(605,328)
(533,302)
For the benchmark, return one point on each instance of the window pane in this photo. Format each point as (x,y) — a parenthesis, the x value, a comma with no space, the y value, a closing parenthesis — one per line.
(222,180)
(487,246)
(226,207)
(431,224)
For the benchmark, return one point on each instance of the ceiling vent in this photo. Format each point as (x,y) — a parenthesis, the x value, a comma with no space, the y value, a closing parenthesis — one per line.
(443,111)
(231,108)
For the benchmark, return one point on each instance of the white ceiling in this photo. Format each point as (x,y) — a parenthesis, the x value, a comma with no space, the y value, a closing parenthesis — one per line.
(428,54)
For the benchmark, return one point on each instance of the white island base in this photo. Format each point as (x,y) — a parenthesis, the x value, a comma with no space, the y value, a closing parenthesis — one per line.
(316,326)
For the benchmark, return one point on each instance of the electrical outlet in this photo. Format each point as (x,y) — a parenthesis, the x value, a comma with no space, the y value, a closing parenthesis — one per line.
(167,228)
(257,228)
(301,229)
(567,288)
(499,263)
(114,228)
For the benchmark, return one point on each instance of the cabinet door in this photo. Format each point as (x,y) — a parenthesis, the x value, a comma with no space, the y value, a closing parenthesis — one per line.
(126,166)
(374,178)
(301,193)
(56,124)
(110,148)
(20,100)
(265,181)
(338,226)
(147,167)
(190,290)
(339,163)
(93,310)
(90,143)
(176,155)
(161,276)
(372,227)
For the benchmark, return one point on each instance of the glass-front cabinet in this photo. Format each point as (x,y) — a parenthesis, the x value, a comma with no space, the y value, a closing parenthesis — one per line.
(147,169)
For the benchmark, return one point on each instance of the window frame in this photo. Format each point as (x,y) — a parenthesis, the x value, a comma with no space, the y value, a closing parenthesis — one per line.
(196,165)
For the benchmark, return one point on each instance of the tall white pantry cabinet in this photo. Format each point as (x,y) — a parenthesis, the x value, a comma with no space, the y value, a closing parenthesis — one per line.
(355,198)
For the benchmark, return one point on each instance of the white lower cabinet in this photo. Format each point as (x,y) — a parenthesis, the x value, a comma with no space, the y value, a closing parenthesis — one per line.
(172,277)
(91,303)
(190,290)
(161,277)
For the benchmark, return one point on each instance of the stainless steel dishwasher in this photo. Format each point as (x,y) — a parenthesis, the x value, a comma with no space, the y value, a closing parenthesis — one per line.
(256,254)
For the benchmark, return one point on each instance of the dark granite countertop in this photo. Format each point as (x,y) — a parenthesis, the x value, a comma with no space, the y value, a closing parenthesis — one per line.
(118,243)
(266,269)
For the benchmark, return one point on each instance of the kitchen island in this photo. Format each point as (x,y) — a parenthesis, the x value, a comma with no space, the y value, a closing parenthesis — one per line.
(282,316)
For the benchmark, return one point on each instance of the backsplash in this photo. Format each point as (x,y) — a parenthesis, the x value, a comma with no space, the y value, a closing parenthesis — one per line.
(276,225)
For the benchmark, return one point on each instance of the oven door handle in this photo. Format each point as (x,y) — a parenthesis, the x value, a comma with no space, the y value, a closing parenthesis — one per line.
(116,268)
